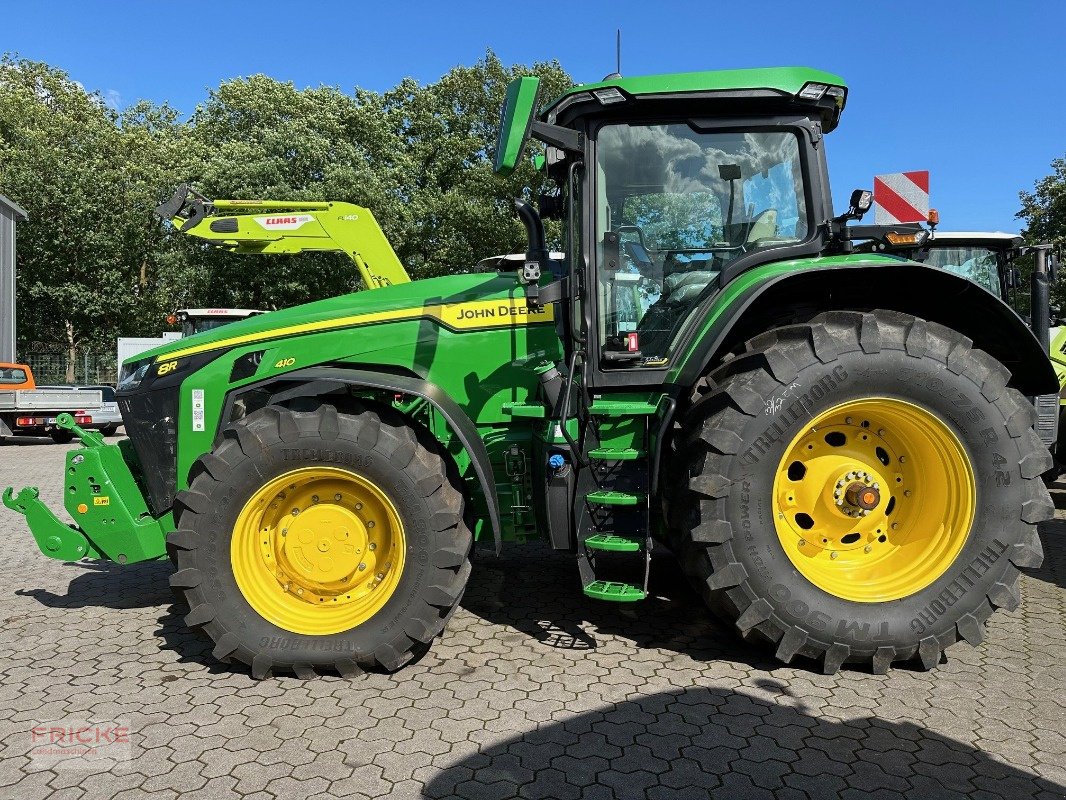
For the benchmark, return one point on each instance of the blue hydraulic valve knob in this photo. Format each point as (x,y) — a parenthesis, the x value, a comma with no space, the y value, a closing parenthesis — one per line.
(556,461)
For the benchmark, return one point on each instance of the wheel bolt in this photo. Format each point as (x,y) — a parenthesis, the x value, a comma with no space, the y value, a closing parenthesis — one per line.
(381,575)
(895,526)
(295,511)
(370,524)
(362,567)
(336,497)
(906,492)
(300,591)
(847,420)
(902,459)
(358,506)
(803,542)
(881,432)
(314,498)
(868,548)
(285,532)
(373,546)
(833,554)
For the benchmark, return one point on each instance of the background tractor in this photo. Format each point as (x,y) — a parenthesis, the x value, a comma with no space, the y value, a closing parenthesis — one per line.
(992,260)
(837,445)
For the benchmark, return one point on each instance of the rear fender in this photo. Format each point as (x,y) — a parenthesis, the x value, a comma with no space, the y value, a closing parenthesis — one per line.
(926,292)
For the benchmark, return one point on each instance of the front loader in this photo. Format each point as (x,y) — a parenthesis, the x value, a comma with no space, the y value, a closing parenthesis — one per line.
(835,444)
(271,227)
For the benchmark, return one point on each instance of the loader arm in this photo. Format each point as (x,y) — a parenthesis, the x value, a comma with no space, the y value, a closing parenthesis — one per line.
(286,227)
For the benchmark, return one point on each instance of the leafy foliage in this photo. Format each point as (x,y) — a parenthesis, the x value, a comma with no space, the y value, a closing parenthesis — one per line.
(1044,212)
(94,263)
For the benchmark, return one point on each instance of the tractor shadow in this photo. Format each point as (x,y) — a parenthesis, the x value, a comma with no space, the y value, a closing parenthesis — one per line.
(1053,539)
(703,742)
(105,584)
(536,591)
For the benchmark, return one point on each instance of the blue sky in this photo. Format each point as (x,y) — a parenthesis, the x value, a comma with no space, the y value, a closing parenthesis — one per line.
(971,91)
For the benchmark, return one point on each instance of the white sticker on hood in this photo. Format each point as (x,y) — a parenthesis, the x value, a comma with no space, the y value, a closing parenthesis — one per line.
(197,409)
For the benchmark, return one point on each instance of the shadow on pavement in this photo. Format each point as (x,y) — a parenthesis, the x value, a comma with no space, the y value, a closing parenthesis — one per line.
(109,585)
(536,591)
(1053,539)
(25,441)
(703,742)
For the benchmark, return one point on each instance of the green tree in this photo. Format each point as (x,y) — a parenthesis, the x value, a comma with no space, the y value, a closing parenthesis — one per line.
(1044,212)
(85,174)
(418,156)
(94,263)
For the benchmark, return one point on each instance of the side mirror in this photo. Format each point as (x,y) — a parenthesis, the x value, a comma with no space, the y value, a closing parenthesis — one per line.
(516,119)
(1014,278)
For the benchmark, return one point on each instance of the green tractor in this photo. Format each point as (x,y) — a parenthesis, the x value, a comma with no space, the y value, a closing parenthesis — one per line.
(836,445)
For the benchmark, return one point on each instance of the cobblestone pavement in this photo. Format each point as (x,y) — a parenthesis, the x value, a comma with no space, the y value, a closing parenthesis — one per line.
(532,692)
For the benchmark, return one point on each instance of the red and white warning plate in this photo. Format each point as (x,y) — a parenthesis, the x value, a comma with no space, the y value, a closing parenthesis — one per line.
(901,197)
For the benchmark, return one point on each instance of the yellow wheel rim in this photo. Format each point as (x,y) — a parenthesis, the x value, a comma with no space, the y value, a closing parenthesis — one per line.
(318,550)
(874,499)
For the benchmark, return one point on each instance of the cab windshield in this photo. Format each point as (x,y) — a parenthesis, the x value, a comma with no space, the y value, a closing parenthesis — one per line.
(979,264)
(682,204)
(201,324)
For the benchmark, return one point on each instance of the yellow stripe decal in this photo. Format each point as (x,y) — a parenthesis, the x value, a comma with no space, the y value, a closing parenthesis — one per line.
(473,315)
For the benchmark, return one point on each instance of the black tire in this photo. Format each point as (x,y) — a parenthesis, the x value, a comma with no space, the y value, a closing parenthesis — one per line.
(407,463)
(109,430)
(734,447)
(61,436)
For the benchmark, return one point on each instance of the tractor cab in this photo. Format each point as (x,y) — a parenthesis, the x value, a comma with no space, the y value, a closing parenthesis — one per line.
(672,186)
(197,320)
(986,257)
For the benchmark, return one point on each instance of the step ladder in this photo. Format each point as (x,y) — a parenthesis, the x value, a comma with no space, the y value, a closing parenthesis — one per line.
(616,526)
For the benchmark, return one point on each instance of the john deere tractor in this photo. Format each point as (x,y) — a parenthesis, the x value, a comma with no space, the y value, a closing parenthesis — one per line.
(836,445)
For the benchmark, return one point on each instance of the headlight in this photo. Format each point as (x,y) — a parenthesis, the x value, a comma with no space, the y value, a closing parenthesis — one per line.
(132,374)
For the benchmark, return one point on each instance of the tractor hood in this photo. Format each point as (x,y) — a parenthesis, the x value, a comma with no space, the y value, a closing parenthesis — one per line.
(456,301)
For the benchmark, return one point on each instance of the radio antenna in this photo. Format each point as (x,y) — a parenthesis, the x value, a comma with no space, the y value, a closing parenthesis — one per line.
(618,51)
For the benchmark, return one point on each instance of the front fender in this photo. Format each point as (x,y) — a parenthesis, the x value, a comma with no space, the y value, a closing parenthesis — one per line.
(316,381)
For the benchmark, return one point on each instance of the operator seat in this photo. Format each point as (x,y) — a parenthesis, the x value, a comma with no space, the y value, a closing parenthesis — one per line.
(763,226)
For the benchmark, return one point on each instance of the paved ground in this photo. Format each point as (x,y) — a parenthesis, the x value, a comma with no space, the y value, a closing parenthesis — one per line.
(533,692)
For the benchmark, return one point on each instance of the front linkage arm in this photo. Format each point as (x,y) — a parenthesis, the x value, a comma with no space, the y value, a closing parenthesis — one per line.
(114,523)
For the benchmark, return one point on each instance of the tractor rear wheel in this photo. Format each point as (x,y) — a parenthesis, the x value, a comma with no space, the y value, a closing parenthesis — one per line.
(860,489)
(311,540)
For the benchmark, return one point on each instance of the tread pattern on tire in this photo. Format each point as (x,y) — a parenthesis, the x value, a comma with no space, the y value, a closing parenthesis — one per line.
(408,447)
(724,400)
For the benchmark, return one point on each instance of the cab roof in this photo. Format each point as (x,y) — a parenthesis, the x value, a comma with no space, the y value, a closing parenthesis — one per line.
(955,237)
(770,82)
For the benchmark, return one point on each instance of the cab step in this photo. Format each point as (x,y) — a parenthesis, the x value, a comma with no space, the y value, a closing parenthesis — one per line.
(614,592)
(616,454)
(607,498)
(612,543)
(621,408)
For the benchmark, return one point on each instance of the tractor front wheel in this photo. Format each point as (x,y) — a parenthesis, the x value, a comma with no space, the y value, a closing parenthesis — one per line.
(311,540)
(862,488)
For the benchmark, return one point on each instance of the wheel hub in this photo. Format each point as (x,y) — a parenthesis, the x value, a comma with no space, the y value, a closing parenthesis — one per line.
(856,493)
(874,499)
(324,545)
(318,550)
